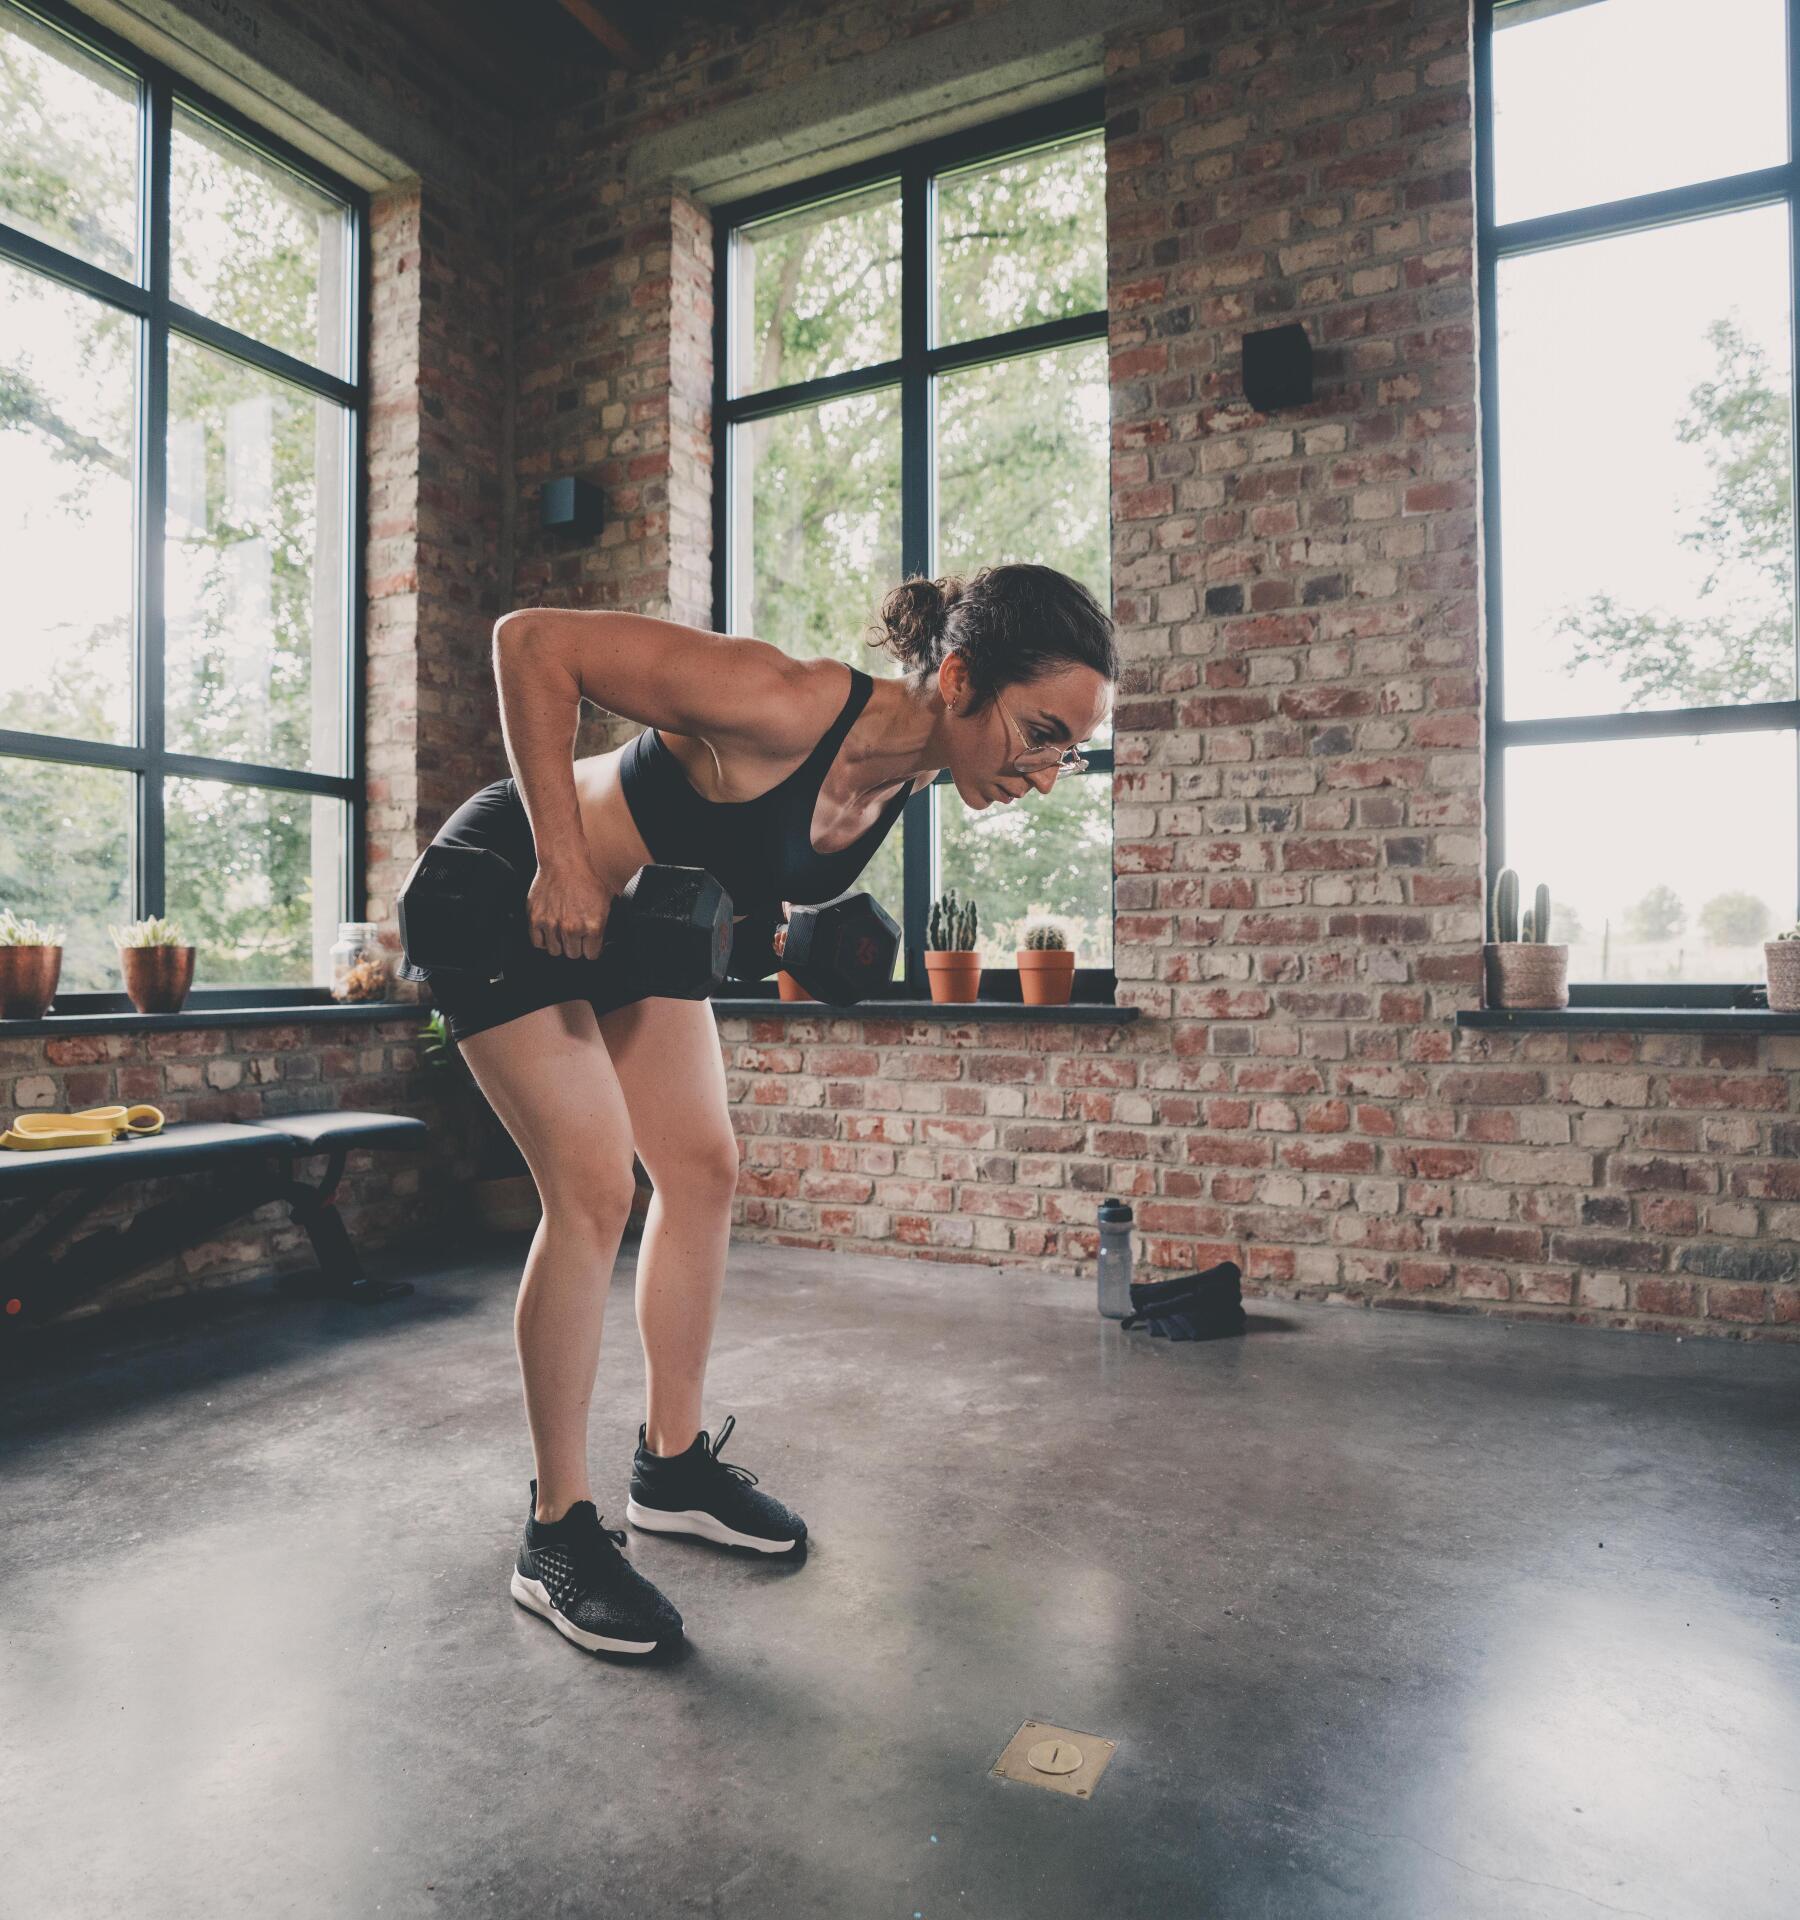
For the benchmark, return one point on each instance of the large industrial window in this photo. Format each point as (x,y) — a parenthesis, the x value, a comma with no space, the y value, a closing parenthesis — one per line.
(1637,197)
(912,378)
(180,426)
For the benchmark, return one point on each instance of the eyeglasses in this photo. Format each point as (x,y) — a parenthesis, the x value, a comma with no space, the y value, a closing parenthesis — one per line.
(1041,759)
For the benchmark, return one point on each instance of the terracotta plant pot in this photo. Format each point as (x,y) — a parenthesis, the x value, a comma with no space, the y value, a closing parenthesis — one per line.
(157,978)
(507,1205)
(1781,961)
(790,988)
(28,977)
(1045,975)
(953,976)
(1526,973)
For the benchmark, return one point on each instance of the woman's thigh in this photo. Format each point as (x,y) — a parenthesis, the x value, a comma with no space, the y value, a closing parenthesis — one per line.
(549,1075)
(667,1057)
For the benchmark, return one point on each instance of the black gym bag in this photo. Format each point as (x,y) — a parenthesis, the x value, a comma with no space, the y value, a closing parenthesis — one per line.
(1190,1306)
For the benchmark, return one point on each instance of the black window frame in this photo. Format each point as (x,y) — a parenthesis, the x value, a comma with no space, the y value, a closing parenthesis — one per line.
(914,168)
(1761,187)
(148,758)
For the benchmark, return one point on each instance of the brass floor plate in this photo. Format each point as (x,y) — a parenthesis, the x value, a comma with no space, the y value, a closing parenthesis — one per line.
(1059,1758)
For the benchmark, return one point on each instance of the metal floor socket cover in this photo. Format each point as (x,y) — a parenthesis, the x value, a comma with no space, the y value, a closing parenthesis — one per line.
(1055,1757)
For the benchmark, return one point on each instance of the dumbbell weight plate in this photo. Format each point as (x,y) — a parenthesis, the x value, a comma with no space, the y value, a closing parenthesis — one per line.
(459,910)
(843,951)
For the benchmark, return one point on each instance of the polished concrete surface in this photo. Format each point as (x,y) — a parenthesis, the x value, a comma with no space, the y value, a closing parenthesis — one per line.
(1390,1616)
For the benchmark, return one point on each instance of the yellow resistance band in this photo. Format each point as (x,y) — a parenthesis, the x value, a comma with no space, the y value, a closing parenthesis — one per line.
(94,1127)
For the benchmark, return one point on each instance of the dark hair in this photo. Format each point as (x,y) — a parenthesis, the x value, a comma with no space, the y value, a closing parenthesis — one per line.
(1010,623)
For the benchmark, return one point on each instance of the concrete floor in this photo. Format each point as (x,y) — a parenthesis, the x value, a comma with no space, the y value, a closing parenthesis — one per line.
(1390,1616)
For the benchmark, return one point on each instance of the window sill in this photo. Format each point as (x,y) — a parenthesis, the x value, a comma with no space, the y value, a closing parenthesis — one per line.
(1089,1013)
(1634,1019)
(326,1012)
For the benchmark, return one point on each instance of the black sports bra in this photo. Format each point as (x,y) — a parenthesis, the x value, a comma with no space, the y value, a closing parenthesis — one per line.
(760,850)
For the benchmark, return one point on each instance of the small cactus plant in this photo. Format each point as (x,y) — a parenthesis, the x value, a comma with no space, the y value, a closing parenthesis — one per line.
(1789,933)
(1044,936)
(154,932)
(16,932)
(953,924)
(1508,927)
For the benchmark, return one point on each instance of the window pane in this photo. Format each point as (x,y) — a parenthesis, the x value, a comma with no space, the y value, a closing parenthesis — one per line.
(1021,241)
(256,247)
(1043,858)
(68,146)
(816,292)
(68,470)
(1022,467)
(1600,102)
(255,878)
(1666,859)
(65,858)
(816,524)
(255,565)
(1645,463)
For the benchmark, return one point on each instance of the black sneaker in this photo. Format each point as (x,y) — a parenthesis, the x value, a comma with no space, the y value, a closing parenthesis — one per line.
(572,1572)
(696,1492)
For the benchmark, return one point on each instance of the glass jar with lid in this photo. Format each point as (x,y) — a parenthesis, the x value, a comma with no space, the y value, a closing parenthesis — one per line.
(360,970)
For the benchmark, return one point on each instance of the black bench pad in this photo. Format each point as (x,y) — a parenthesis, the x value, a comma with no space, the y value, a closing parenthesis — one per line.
(176,1150)
(319,1132)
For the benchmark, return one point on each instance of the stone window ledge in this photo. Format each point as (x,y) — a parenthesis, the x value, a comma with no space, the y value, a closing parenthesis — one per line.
(1632,1019)
(326,1012)
(1079,1012)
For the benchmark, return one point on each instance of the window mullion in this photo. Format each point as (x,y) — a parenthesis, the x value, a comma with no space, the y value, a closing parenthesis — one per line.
(153,446)
(918,850)
(1793,213)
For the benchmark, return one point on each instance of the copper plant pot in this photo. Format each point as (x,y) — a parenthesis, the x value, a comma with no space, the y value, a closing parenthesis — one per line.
(1045,975)
(955,975)
(157,978)
(1527,973)
(1781,960)
(28,977)
(791,989)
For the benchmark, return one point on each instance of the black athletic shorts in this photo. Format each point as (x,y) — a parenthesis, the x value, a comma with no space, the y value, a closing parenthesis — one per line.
(495,817)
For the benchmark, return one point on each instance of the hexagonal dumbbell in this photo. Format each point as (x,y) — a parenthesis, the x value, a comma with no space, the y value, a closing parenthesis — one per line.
(840,952)
(462,910)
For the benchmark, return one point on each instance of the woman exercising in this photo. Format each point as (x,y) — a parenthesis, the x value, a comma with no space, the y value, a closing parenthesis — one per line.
(781,777)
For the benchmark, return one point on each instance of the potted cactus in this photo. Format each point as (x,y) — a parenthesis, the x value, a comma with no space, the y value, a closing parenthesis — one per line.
(30,966)
(1046,966)
(1781,960)
(1523,968)
(952,965)
(157,963)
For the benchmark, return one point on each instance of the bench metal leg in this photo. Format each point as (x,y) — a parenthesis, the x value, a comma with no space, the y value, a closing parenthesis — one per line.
(340,1274)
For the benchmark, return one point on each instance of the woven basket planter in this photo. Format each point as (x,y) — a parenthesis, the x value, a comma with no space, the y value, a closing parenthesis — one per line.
(1527,973)
(1781,958)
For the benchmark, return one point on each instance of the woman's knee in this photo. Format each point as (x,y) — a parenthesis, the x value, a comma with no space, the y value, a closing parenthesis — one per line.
(594,1196)
(704,1167)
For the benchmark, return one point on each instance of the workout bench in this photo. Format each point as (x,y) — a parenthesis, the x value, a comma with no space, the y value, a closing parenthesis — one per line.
(45,1196)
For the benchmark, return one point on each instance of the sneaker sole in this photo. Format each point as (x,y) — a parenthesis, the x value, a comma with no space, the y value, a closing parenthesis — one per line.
(534,1595)
(702,1524)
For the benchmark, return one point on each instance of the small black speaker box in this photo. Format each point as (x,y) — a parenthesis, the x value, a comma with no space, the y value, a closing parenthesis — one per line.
(1278,368)
(572,506)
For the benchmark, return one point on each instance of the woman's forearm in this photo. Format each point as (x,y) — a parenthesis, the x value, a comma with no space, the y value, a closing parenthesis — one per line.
(540,714)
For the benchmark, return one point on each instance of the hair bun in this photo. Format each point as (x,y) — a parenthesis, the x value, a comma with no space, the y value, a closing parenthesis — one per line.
(913,616)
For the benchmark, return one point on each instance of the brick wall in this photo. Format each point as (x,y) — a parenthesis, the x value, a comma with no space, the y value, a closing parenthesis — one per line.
(1299,801)
(1299,747)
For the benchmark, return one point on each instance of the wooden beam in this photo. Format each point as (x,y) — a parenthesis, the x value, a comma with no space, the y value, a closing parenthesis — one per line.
(600,22)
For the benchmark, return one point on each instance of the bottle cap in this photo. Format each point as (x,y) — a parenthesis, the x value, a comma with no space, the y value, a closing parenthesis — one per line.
(1114,1212)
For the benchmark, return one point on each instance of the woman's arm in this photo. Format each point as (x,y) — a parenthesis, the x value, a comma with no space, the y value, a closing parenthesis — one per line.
(547,660)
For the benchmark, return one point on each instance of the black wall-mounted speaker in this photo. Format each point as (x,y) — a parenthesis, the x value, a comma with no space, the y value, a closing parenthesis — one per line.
(1278,368)
(572,506)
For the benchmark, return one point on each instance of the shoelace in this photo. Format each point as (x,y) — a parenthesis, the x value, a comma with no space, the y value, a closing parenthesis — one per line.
(586,1549)
(730,1466)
